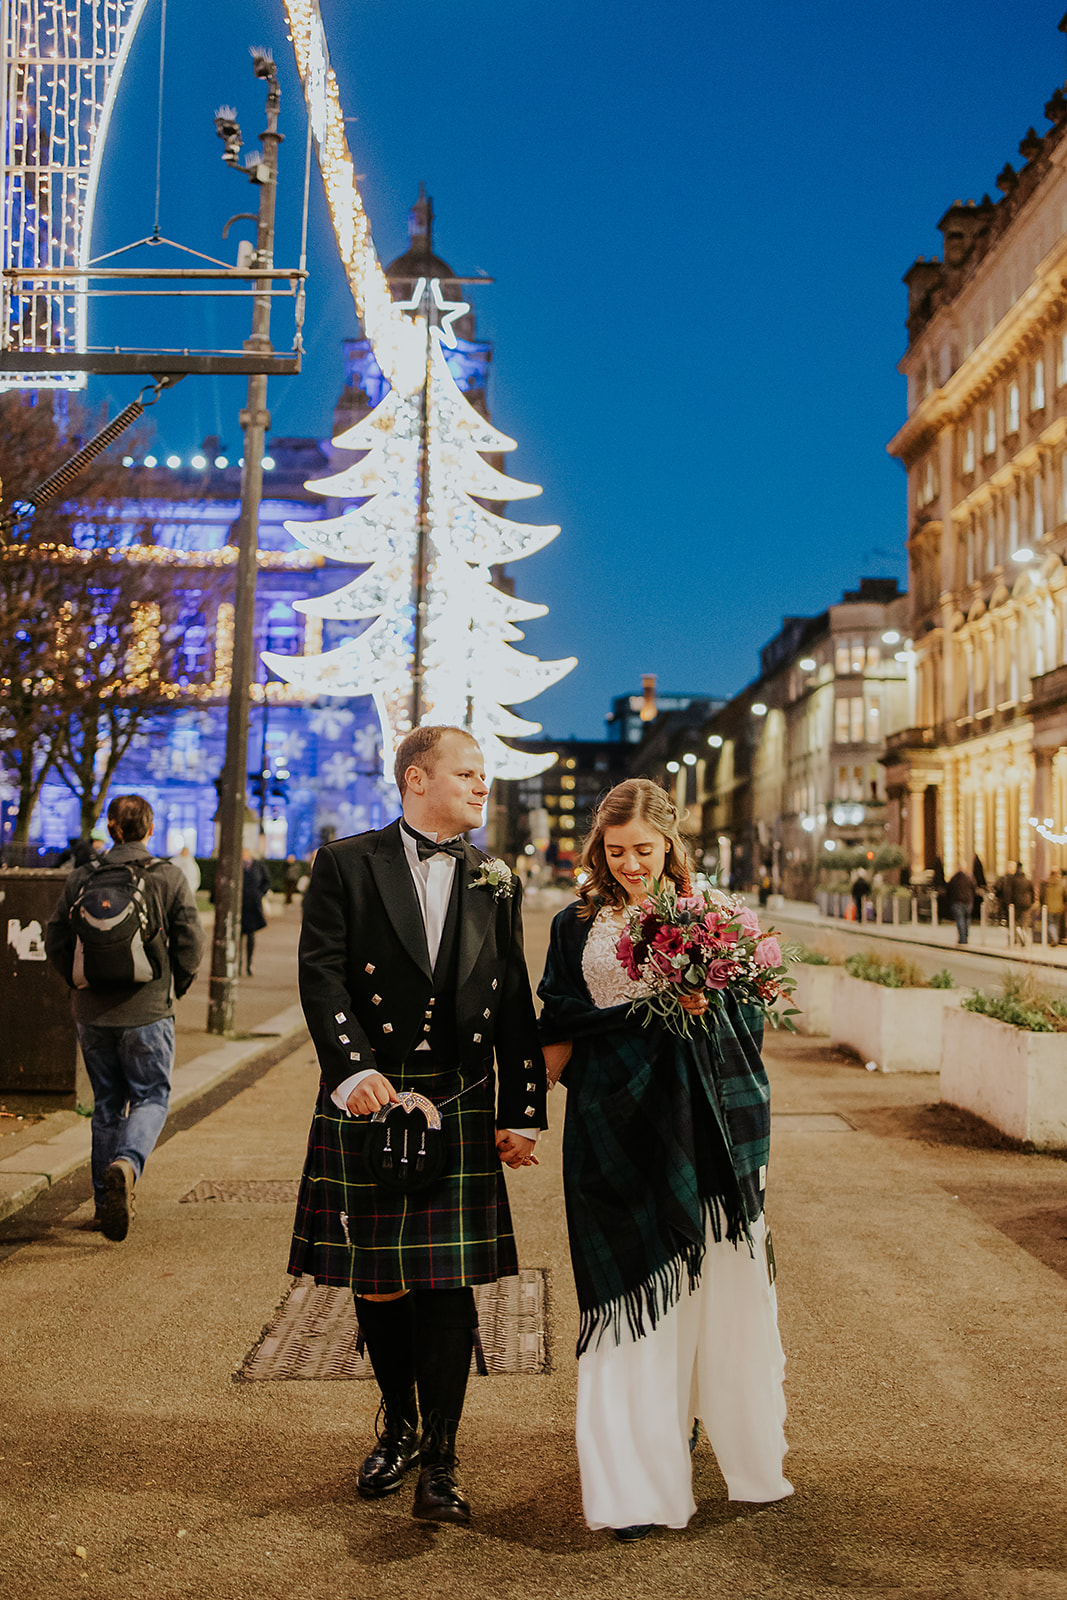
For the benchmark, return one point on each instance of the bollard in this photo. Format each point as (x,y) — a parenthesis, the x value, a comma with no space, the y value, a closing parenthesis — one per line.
(933,910)
(1044,924)
(915,908)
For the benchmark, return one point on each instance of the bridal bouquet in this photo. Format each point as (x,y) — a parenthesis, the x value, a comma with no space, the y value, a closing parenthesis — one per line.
(694,949)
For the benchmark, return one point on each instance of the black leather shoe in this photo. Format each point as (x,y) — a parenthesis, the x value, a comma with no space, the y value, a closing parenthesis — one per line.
(438,1498)
(395,1453)
(630,1535)
(117,1206)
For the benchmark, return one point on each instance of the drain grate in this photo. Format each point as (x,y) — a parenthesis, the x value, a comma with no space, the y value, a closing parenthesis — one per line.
(270,1192)
(314,1332)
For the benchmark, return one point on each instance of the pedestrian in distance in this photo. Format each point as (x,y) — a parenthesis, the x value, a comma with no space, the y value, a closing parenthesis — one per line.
(293,873)
(255,886)
(1052,899)
(664,1172)
(1015,889)
(189,865)
(960,893)
(861,888)
(126,937)
(412,979)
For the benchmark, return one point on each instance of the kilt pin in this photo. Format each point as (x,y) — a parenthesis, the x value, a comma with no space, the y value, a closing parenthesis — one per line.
(461,1031)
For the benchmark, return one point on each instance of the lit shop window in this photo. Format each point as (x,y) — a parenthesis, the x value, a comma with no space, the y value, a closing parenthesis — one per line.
(856,720)
(841,656)
(989,444)
(859,651)
(841,721)
(874,722)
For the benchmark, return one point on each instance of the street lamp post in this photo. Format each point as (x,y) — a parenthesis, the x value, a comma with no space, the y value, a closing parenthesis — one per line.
(255,421)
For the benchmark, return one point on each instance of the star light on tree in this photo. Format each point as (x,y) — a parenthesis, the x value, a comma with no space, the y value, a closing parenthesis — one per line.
(437,646)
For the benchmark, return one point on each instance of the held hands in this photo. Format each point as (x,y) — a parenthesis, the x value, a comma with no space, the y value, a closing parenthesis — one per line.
(370,1095)
(514,1150)
(556,1058)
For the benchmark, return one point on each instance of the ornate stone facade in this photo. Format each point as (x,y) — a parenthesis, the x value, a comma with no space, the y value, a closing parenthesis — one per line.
(985,448)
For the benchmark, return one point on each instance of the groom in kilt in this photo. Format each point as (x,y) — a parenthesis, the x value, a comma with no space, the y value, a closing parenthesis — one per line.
(412,977)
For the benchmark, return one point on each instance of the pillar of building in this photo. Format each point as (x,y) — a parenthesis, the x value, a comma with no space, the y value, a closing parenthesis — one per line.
(1000,831)
(947,808)
(1042,808)
(916,817)
(979,846)
(1024,799)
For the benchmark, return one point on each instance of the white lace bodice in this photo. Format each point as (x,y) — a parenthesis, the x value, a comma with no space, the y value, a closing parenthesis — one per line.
(606,978)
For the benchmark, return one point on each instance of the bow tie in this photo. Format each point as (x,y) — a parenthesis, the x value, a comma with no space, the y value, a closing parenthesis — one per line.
(429,847)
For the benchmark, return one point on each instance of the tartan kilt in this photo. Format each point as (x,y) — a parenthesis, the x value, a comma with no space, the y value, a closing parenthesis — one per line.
(455,1233)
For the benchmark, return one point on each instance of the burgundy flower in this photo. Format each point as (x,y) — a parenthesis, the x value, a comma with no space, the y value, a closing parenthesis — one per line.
(719,973)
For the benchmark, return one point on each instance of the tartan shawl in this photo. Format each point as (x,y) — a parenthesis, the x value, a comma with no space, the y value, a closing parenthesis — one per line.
(663,1135)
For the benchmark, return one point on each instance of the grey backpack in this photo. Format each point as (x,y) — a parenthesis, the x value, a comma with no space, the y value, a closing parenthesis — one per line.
(118,934)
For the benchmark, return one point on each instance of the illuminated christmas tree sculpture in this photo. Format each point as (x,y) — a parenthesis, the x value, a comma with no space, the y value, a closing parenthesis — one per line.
(437,645)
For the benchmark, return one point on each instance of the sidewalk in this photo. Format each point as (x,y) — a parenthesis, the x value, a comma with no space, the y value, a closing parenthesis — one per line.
(40,1149)
(992,941)
(923,1294)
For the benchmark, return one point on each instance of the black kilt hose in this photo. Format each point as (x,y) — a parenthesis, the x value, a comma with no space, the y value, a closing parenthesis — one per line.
(370,998)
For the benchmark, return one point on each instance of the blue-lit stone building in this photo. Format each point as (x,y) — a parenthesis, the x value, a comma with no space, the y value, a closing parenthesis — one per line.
(323,758)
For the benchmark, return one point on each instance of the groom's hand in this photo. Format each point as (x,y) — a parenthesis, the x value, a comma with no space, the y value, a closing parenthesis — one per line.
(514,1150)
(370,1095)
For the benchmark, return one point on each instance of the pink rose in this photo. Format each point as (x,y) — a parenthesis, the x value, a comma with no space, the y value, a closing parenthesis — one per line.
(719,973)
(690,902)
(768,952)
(749,922)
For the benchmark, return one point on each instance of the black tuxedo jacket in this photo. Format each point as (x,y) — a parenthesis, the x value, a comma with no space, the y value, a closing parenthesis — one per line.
(365,976)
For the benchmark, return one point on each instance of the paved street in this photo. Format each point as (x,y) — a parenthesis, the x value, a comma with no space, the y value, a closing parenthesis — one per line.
(922,1290)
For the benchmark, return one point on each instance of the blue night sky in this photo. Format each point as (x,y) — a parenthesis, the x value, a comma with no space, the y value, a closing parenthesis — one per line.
(697,216)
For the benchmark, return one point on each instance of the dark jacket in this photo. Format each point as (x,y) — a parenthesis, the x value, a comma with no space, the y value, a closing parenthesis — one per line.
(366,983)
(140,1004)
(255,883)
(961,890)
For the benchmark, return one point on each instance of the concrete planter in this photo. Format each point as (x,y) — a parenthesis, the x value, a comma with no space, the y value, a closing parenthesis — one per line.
(813,996)
(900,1029)
(1012,1078)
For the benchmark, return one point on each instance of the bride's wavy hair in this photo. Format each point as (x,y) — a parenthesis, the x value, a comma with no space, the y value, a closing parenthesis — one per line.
(635,800)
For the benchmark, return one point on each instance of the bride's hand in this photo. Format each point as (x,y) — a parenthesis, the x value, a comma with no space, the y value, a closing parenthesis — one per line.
(695,1004)
(556,1058)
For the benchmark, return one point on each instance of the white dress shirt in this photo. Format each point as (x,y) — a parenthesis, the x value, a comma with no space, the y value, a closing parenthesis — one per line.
(433,890)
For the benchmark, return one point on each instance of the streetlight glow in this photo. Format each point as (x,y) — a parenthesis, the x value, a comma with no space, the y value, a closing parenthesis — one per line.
(807,664)
(759,709)
(1022,555)
(672,766)
(891,636)
(689,759)
(715,741)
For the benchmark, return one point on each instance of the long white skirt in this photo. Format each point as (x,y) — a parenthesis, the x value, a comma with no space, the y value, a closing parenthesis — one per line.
(715,1355)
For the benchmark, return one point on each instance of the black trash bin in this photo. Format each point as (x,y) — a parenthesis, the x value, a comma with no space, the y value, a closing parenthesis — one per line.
(38,1042)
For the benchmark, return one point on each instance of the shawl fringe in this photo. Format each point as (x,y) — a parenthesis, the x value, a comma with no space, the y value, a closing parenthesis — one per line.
(642,1307)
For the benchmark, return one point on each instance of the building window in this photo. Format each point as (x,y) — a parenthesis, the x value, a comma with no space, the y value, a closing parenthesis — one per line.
(842,783)
(1039,511)
(1013,522)
(970,554)
(841,721)
(841,657)
(1013,408)
(856,730)
(989,443)
(874,722)
(1037,395)
(857,784)
(857,655)
(968,451)
(1061,364)
(990,542)
(874,655)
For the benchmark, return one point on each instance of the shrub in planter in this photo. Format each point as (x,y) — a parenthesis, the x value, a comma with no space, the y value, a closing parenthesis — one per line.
(813,995)
(1003,1059)
(885,1010)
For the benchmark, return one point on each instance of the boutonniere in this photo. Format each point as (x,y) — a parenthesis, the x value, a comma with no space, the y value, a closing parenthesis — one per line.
(496,875)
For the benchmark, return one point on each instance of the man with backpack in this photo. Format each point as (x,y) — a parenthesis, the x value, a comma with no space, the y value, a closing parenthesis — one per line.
(126,937)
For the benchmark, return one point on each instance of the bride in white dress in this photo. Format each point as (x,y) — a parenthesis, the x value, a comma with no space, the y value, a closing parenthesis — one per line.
(668,1239)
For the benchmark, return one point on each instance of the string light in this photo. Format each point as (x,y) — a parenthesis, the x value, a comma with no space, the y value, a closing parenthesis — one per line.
(1045,829)
(61,87)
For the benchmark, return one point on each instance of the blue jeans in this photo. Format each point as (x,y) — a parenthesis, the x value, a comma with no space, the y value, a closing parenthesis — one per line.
(129,1069)
(961,915)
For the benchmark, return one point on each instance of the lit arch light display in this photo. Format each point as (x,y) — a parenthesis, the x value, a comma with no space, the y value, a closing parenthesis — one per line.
(437,645)
(61,62)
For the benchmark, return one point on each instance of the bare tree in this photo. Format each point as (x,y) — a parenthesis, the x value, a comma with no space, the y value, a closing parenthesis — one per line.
(89,632)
